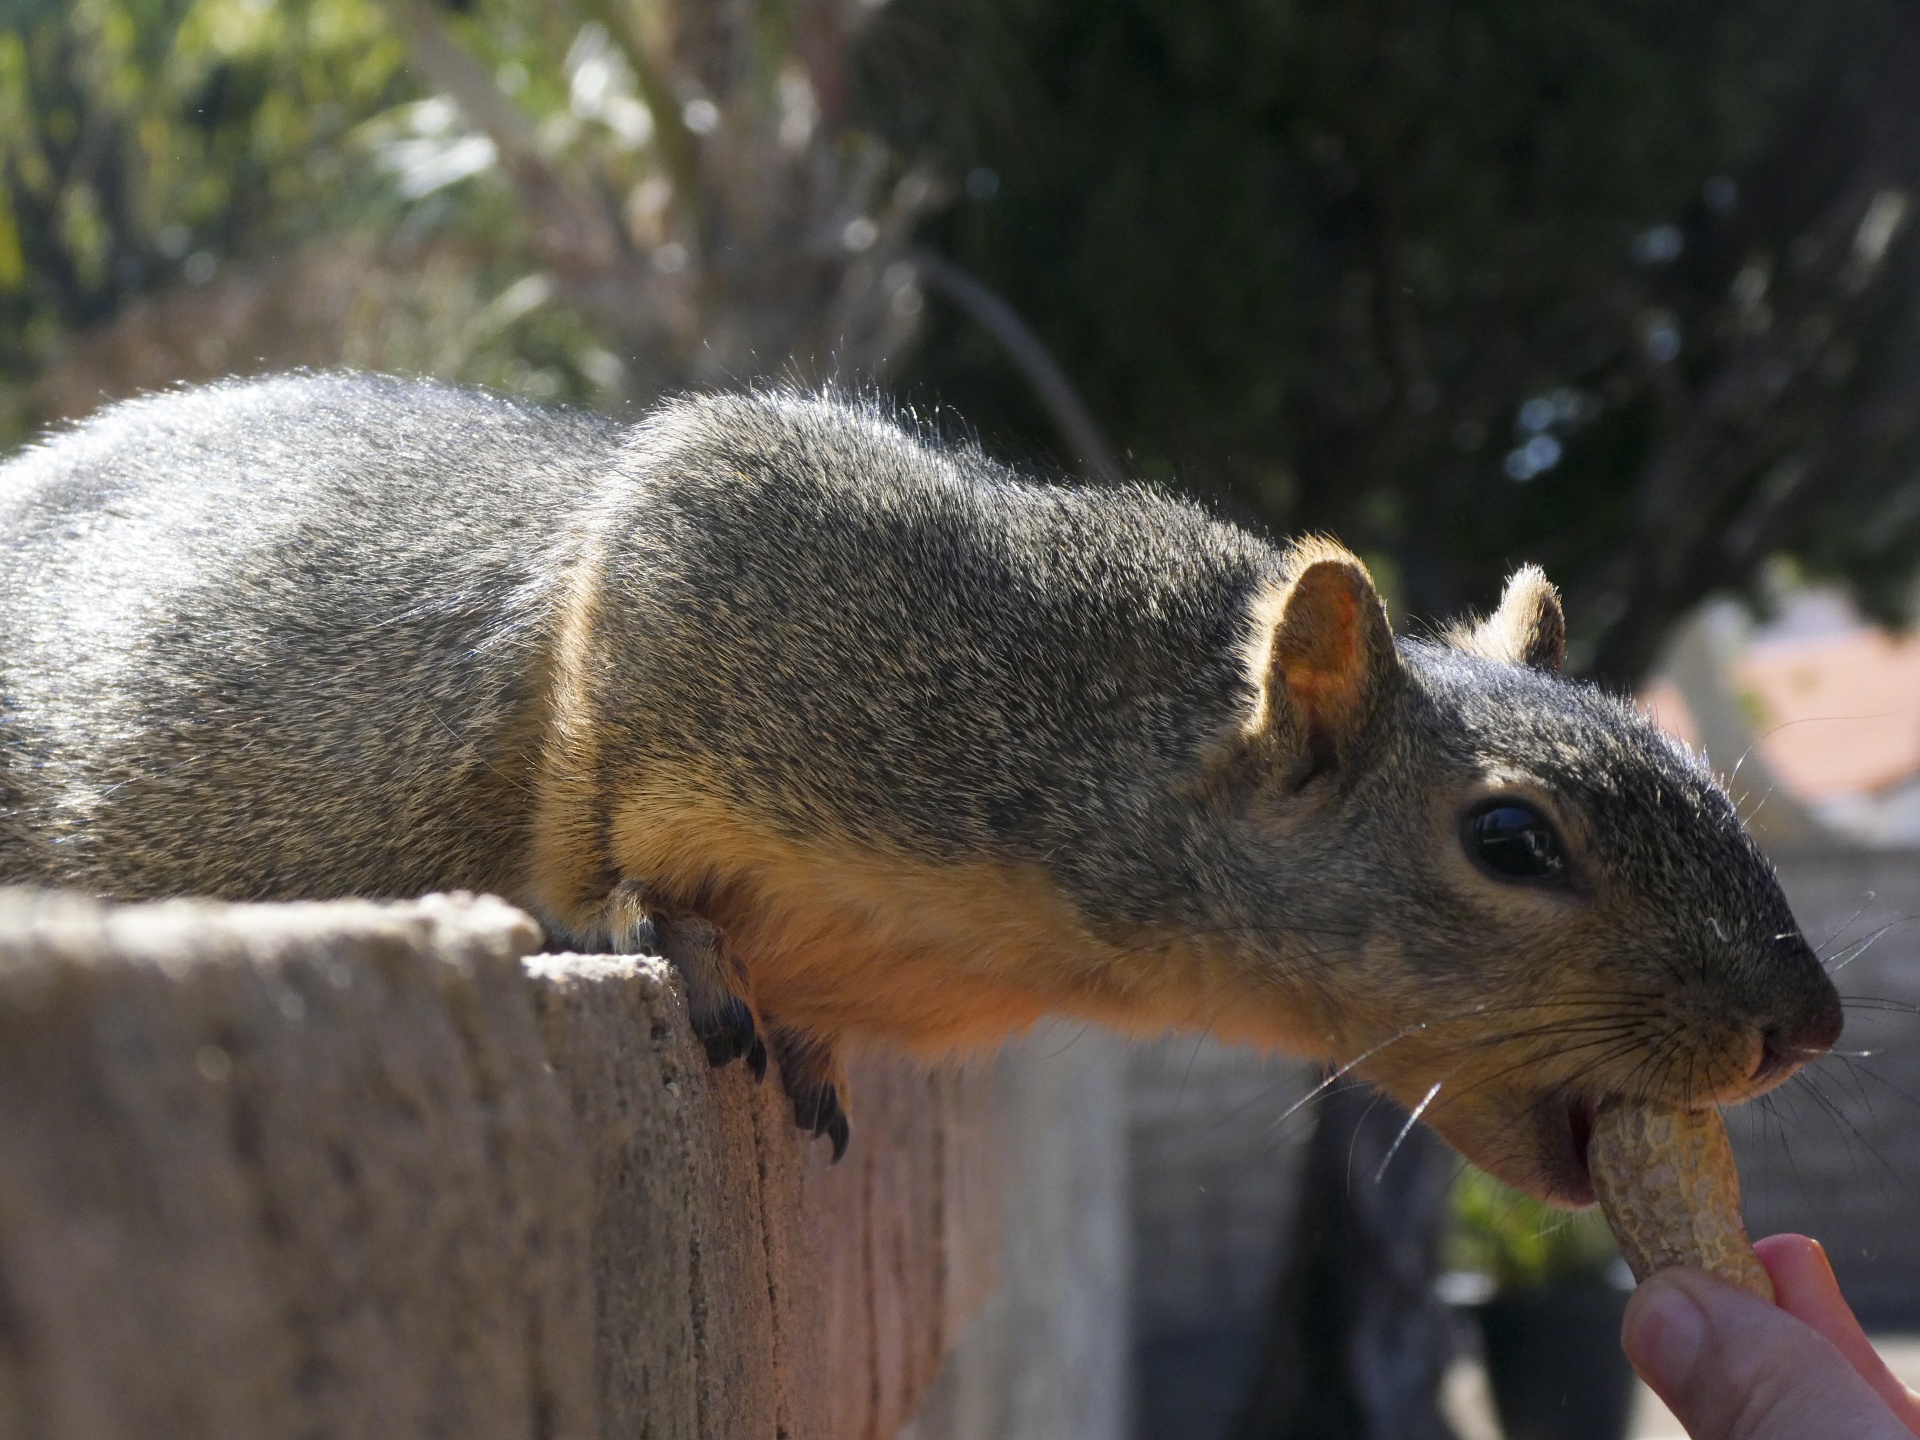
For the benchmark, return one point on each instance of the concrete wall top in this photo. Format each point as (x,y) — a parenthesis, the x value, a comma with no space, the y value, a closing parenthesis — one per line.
(357,1169)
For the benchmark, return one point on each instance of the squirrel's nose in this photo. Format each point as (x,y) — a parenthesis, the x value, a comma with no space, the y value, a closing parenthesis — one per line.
(1785,1048)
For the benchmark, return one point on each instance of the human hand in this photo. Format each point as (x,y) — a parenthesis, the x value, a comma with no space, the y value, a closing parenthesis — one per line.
(1732,1367)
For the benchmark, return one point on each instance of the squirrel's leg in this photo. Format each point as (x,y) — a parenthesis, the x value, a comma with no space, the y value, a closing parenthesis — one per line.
(721,1016)
(815,1081)
(810,1068)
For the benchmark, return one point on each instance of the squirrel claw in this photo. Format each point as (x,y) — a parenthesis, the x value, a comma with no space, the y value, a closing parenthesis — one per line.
(729,1034)
(722,1020)
(817,1111)
(812,1076)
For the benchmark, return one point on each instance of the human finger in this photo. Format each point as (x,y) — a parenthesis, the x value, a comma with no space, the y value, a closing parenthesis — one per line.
(1732,1367)
(1804,1286)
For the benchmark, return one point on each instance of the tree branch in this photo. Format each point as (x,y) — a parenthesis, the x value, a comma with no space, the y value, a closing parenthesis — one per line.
(571,229)
(1703,486)
(1030,357)
(672,141)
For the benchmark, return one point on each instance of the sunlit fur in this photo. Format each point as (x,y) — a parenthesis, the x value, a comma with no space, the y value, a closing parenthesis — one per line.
(938,748)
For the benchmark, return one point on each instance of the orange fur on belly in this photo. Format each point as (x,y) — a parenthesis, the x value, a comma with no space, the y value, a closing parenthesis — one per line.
(935,957)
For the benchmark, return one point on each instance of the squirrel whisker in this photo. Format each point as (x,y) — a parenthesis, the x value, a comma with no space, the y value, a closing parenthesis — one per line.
(1413,1118)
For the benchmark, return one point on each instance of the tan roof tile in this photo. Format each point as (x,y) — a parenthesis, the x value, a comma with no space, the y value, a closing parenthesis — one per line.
(1837,715)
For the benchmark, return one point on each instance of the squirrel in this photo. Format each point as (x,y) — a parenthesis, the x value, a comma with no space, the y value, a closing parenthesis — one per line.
(876,740)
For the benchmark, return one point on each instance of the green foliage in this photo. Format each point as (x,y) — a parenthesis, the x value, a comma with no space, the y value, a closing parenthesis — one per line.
(1520,1243)
(144,141)
(161,147)
(494,150)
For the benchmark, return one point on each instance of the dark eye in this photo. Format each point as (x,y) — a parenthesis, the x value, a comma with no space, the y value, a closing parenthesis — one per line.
(1516,840)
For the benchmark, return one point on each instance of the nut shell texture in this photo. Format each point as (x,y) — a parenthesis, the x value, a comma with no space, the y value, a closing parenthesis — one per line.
(1668,1187)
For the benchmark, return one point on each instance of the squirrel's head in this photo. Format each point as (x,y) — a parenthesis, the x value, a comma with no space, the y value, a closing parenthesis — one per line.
(1515,898)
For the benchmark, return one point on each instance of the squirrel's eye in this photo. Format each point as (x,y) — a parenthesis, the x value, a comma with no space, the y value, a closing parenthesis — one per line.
(1516,840)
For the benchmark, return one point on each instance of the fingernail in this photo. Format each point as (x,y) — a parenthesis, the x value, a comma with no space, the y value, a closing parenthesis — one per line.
(1664,1333)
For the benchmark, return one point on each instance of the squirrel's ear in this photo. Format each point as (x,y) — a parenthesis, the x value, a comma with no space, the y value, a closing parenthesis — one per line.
(1529,628)
(1322,655)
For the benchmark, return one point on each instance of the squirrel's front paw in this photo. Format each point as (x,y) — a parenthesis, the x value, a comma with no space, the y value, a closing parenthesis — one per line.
(816,1083)
(721,1015)
(727,1032)
(722,1018)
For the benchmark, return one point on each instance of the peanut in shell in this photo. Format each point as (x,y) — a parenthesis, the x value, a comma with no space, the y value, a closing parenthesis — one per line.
(1668,1187)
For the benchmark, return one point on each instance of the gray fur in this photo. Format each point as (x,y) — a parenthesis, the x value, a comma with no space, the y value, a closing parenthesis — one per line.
(915,648)
(262,640)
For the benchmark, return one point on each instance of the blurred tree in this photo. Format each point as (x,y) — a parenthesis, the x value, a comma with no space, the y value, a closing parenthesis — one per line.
(191,187)
(1625,288)
(691,178)
(141,142)
(591,200)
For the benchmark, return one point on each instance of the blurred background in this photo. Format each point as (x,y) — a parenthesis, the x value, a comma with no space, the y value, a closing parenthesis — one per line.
(1628,288)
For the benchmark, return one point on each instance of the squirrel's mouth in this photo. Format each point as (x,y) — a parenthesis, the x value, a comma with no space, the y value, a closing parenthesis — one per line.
(1537,1143)
(1565,1127)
